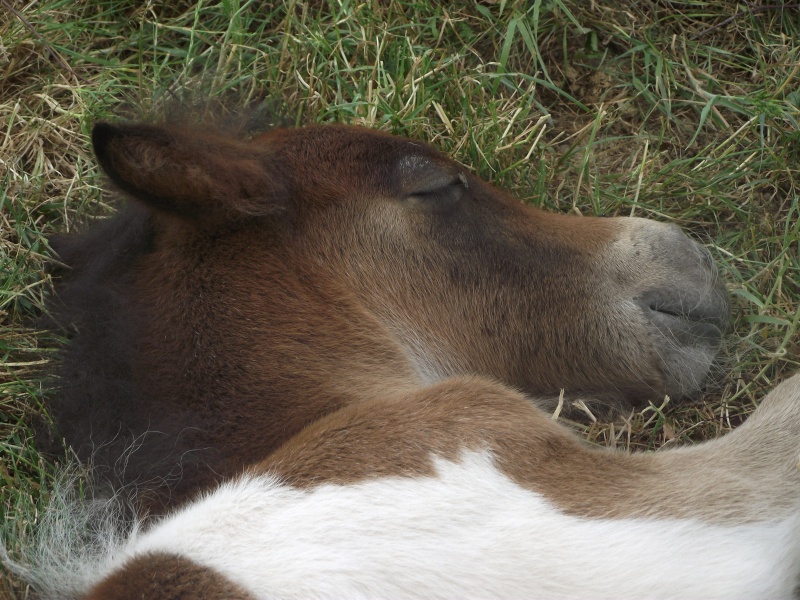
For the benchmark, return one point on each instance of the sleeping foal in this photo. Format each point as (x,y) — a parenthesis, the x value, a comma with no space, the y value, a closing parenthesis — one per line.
(318,341)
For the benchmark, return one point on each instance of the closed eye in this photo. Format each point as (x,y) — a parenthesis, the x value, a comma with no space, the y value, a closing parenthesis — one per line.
(436,189)
(443,198)
(424,181)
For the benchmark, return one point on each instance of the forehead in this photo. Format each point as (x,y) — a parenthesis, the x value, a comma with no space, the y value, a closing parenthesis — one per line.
(336,143)
(341,152)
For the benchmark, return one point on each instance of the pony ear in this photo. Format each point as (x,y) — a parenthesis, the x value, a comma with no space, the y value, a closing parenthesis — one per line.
(191,174)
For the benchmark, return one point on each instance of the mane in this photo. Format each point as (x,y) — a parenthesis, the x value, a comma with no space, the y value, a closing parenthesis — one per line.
(93,307)
(79,530)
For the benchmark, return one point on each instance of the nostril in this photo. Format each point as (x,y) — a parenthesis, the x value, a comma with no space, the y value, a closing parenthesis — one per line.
(662,301)
(675,277)
(693,305)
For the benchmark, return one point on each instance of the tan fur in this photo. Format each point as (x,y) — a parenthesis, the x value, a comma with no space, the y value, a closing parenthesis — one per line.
(747,476)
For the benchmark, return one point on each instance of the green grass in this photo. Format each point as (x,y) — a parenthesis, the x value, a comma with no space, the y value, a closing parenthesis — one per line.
(629,108)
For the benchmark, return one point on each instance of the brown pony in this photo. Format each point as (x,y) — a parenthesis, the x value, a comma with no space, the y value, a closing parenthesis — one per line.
(316,352)
(253,287)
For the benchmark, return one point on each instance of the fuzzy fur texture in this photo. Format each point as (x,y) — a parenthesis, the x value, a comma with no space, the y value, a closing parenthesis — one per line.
(76,539)
(718,520)
(468,531)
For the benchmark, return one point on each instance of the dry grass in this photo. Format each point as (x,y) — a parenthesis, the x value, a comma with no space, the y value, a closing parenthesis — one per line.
(668,110)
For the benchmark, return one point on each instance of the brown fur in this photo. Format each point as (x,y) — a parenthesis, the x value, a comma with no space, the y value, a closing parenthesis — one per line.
(159,576)
(252,288)
(399,434)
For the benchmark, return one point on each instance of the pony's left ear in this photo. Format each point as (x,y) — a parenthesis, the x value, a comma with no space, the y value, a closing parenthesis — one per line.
(194,175)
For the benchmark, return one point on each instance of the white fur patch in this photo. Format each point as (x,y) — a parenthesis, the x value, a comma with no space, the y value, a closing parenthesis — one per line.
(470,532)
